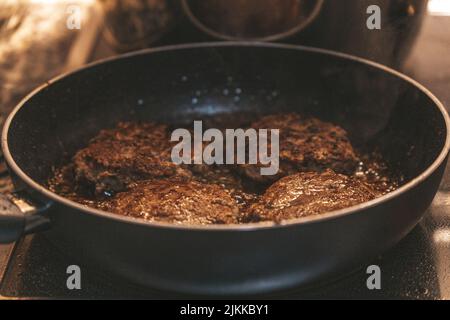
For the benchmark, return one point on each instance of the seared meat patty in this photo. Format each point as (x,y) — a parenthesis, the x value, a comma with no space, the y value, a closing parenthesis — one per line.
(309,193)
(130,152)
(177,201)
(306,144)
(128,170)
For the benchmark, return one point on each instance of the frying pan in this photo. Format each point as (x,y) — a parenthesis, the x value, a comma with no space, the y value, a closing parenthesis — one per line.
(379,107)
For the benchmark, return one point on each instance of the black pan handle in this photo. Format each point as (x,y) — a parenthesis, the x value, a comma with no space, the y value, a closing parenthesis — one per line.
(20,215)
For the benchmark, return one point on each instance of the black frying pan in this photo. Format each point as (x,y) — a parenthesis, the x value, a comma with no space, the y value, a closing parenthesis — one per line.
(377,105)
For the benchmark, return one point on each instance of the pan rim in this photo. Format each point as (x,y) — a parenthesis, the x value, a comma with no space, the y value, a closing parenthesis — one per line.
(230,227)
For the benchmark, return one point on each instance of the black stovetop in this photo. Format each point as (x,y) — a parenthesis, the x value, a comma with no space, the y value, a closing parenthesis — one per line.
(417,268)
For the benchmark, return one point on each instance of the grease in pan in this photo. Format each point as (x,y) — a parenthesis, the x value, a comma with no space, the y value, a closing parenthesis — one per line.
(128,170)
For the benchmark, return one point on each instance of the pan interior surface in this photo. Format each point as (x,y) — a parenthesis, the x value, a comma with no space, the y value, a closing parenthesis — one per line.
(179,85)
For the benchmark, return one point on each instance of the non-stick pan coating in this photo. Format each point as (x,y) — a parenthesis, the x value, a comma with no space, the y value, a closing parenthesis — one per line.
(180,84)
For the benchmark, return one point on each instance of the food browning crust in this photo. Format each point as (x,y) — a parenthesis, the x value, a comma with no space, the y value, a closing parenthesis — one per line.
(128,170)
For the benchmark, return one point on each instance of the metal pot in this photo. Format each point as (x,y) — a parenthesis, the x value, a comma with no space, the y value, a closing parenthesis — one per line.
(333,24)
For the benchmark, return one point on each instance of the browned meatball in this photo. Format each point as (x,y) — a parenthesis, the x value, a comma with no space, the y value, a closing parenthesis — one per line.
(130,152)
(177,201)
(306,144)
(309,193)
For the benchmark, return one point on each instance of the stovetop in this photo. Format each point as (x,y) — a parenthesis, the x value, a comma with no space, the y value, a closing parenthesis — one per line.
(417,268)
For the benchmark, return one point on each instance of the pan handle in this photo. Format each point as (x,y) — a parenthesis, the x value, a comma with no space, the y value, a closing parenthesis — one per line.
(20,215)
